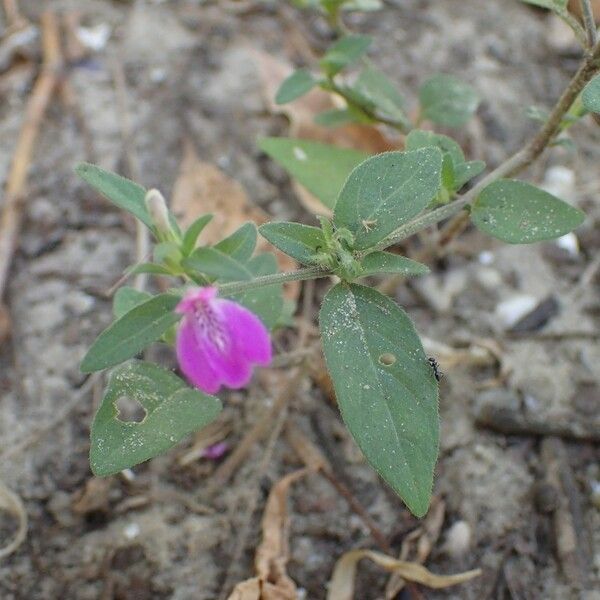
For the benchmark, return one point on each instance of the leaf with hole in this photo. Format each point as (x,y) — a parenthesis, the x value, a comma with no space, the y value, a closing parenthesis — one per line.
(447,101)
(301,242)
(385,388)
(300,82)
(131,333)
(172,409)
(378,263)
(385,191)
(320,168)
(519,213)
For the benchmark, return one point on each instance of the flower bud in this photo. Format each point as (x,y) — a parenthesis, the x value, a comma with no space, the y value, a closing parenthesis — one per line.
(159,213)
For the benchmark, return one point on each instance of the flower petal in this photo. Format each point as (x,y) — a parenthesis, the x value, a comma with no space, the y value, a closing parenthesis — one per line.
(193,359)
(250,336)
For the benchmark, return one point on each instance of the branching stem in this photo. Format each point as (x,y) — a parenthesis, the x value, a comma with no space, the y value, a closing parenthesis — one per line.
(589,21)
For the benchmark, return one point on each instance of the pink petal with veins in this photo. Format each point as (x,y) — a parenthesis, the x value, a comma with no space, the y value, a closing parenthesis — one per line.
(219,341)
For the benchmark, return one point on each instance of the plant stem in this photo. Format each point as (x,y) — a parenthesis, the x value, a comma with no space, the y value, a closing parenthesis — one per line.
(588,21)
(301,274)
(512,166)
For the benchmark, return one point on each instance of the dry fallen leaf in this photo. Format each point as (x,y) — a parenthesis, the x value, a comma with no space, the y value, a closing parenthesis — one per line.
(575,7)
(94,496)
(201,188)
(341,586)
(419,543)
(272,582)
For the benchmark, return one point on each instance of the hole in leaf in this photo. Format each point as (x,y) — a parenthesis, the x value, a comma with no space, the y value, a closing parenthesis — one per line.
(130,410)
(387,359)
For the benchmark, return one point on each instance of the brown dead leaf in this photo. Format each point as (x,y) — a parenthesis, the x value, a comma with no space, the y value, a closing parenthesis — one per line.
(201,188)
(341,586)
(246,590)
(272,582)
(575,7)
(308,453)
(93,496)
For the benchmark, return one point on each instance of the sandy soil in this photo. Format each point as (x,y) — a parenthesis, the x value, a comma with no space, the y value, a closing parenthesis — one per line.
(190,74)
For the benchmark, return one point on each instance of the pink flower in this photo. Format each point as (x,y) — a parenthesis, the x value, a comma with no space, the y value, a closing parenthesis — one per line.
(219,341)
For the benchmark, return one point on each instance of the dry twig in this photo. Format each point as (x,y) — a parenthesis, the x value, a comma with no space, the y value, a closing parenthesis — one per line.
(12,213)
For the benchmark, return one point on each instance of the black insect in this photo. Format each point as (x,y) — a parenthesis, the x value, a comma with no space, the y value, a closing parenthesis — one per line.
(435,367)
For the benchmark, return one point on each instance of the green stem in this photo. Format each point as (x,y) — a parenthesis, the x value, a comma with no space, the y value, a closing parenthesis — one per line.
(301,274)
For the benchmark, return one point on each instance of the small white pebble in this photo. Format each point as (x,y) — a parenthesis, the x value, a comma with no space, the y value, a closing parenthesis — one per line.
(95,38)
(486,257)
(131,531)
(560,181)
(569,242)
(128,474)
(510,311)
(458,539)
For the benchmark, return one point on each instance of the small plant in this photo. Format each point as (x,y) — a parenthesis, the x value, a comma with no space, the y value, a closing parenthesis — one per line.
(225,299)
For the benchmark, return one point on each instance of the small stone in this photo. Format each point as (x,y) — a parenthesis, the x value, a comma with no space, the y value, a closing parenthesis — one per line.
(510,311)
(458,539)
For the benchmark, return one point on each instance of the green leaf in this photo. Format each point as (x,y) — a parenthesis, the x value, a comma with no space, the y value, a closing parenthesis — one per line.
(166,252)
(151,268)
(386,391)
(385,191)
(466,171)
(120,191)
(131,333)
(382,93)
(591,95)
(558,6)
(344,52)
(448,101)
(172,411)
(127,298)
(266,302)
(335,117)
(216,264)
(240,244)
(297,84)
(320,168)
(377,263)
(519,213)
(462,171)
(193,231)
(419,138)
(301,242)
